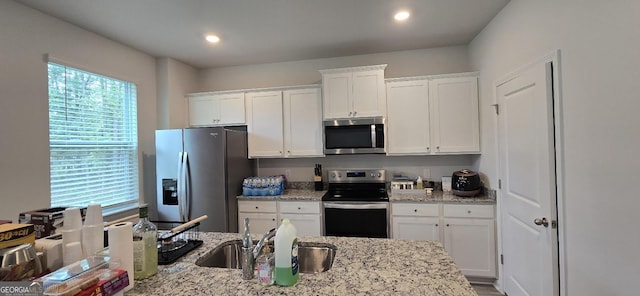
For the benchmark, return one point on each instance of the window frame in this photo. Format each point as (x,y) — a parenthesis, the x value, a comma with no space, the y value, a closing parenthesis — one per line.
(134,199)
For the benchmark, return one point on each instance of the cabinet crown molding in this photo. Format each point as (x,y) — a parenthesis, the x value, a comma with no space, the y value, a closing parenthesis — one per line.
(430,77)
(354,69)
(247,90)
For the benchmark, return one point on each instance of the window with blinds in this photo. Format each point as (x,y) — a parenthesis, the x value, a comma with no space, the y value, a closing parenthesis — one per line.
(93,138)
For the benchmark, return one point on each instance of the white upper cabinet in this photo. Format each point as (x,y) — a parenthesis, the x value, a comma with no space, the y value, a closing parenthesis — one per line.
(433,115)
(453,106)
(408,117)
(303,122)
(216,109)
(285,123)
(265,124)
(354,92)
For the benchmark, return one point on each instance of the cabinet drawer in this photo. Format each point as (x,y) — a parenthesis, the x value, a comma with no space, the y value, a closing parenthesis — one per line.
(257,206)
(299,207)
(411,209)
(469,211)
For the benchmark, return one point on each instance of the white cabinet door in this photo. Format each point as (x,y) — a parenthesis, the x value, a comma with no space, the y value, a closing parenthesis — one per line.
(304,215)
(306,224)
(369,94)
(337,92)
(203,111)
(265,124)
(303,123)
(263,215)
(354,92)
(471,244)
(231,109)
(216,109)
(453,106)
(408,117)
(259,223)
(416,228)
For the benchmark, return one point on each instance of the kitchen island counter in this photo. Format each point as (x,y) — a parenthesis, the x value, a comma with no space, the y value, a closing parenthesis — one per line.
(362,266)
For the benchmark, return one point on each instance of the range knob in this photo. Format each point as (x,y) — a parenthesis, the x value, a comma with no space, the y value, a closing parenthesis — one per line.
(339,175)
(379,175)
(333,176)
(372,175)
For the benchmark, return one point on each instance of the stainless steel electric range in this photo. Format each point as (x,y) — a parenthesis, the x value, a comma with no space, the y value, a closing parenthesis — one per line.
(356,204)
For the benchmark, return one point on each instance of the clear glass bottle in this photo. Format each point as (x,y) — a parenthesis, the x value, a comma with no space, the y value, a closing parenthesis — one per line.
(266,266)
(145,247)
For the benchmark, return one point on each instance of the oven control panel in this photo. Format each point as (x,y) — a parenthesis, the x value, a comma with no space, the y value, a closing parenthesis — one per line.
(357,176)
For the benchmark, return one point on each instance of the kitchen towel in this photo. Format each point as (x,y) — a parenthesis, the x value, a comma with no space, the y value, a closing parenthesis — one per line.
(121,248)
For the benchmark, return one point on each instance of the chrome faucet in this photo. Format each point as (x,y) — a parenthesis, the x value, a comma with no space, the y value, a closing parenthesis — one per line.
(267,236)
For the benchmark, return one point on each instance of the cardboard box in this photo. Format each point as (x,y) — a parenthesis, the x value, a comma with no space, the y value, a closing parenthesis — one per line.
(46,221)
(108,286)
(16,234)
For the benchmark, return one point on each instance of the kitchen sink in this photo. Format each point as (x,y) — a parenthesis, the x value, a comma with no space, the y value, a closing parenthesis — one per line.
(312,257)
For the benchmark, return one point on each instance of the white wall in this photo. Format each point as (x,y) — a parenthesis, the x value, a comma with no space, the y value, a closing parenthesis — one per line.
(400,64)
(26,35)
(175,79)
(600,68)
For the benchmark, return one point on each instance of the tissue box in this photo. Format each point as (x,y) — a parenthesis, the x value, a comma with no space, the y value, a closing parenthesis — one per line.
(46,221)
(16,234)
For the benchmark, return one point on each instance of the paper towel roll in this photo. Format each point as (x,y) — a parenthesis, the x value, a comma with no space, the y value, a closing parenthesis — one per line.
(92,239)
(121,248)
(72,253)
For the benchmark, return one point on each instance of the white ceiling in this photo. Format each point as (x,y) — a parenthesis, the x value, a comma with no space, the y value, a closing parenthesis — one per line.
(267,31)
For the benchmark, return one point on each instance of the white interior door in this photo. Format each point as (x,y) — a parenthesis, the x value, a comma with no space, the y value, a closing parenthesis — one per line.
(528,183)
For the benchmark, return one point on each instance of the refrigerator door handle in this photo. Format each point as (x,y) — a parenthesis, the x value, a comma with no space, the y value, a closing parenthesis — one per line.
(185,213)
(181,185)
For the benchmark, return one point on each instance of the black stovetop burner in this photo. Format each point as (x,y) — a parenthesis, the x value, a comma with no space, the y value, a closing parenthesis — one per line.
(357,185)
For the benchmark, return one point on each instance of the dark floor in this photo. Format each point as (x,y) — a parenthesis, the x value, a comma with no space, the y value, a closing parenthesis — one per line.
(485,290)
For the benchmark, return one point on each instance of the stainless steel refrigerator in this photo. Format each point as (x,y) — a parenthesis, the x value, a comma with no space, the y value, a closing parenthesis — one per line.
(199,171)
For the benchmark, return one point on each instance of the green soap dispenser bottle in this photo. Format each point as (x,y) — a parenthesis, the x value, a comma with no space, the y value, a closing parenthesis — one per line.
(286,245)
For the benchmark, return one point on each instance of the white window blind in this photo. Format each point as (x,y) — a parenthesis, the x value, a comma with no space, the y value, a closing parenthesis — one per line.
(93,138)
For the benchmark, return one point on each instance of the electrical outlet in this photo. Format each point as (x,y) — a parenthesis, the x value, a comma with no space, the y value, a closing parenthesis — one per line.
(426,173)
(287,173)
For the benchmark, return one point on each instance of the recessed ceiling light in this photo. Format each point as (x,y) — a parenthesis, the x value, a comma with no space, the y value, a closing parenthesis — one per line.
(212,38)
(401,15)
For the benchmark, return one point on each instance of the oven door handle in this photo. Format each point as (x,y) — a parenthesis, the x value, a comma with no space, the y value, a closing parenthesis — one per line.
(353,206)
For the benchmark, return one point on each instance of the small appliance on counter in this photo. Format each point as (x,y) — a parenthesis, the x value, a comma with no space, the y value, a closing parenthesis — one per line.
(465,183)
(46,221)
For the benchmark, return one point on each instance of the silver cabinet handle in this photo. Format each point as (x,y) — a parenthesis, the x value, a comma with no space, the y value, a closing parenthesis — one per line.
(542,222)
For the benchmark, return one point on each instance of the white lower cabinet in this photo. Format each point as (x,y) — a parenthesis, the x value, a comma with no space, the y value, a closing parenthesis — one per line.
(469,238)
(263,215)
(415,221)
(466,231)
(304,215)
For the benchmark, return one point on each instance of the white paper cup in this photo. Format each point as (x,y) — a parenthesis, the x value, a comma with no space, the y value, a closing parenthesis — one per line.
(72,219)
(94,215)
(72,252)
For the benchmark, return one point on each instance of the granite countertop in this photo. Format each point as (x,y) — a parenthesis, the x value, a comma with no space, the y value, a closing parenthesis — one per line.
(439,197)
(362,266)
(435,197)
(289,194)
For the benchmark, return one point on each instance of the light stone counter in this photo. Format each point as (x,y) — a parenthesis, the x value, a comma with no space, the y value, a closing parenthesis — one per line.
(362,266)
(439,197)
(290,194)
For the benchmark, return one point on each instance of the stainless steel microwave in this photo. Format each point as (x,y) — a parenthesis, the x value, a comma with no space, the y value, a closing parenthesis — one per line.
(354,136)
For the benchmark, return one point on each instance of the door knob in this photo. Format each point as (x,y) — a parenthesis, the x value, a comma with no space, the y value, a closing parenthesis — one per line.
(542,222)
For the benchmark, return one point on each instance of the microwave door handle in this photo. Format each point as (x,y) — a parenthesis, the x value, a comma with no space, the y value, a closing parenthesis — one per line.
(373,136)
